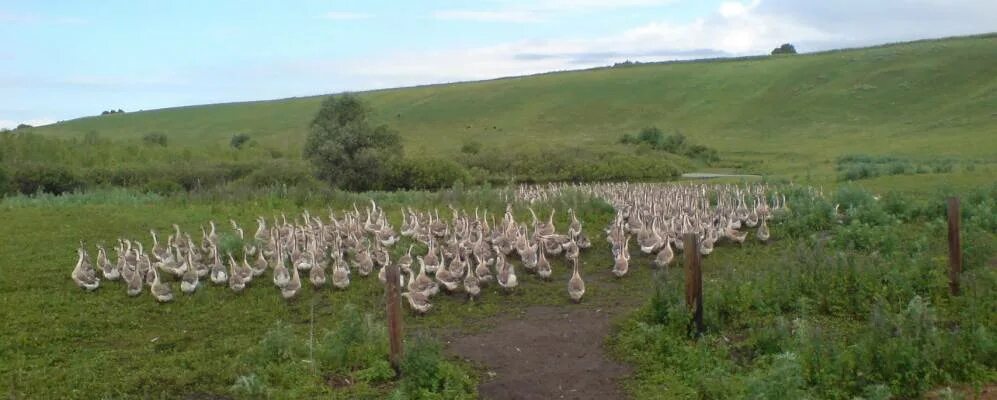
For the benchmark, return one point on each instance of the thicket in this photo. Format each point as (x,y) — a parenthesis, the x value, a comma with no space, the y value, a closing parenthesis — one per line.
(860,166)
(32,164)
(352,357)
(675,143)
(844,313)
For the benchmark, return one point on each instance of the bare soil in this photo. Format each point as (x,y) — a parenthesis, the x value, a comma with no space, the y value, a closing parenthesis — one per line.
(545,353)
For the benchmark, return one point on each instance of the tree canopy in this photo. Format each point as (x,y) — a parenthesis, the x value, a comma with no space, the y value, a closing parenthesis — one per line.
(786,48)
(345,149)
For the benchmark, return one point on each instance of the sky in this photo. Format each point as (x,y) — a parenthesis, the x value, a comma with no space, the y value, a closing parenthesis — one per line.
(62,59)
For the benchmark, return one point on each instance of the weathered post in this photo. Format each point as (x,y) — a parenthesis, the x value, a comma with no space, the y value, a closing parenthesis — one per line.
(955,247)
(693,281)
(394,313)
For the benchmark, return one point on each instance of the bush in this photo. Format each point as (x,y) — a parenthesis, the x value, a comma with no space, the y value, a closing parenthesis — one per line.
(426,174)
(427,376)
(676,143)
(279,172)
(52,179)
(239,140)
(163,187)
(470,147)
(358,343)
(155,138)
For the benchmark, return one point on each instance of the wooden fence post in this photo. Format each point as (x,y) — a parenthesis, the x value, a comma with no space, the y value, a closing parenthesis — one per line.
(693,281)
(955,247)
(394,313)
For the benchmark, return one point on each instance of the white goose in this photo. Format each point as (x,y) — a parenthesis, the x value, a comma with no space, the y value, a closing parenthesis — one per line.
(83,274)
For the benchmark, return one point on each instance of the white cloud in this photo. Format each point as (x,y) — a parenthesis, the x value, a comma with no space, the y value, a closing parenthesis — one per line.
(344,15)
(540,10)
(489,16)
(735,29)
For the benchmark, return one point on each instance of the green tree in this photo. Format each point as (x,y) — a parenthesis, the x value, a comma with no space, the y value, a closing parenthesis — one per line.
(345,149)
(786,48)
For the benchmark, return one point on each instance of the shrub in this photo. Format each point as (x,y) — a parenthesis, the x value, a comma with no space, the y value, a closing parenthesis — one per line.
(470,147)
(427,376)
(251,386)
(55,179)
(358,343)
(239,140)
(155,138)
(163,187)
(426,174)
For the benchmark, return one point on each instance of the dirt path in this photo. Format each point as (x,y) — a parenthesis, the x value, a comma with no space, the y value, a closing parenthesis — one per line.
(545,353)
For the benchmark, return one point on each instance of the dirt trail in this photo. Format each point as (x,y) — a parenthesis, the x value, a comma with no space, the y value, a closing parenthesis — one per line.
(545,353)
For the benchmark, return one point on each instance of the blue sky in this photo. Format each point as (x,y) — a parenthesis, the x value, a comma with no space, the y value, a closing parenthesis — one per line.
(67,59)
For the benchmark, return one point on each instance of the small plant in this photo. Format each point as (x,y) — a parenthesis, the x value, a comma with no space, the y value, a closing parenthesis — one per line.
(155,138)
(250,386)
(239,140)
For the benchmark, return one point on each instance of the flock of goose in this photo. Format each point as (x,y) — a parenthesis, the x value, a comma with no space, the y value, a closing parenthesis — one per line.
(463,252)
(659,215)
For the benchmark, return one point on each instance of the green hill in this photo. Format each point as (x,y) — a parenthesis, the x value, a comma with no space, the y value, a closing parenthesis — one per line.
(926,99)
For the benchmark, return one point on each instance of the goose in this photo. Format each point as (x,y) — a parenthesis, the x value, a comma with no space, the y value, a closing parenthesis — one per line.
(471,284)
(622,262)
(260,265)
(281,276)
(422,283)
(706,243)
(418,302)
(666,255)
(235,278)
(576,286)
(763,232)
(571,249)
(110,271)
(448,279)
(364,262)
(576,226)
(133,281)
(507,277)
(483,272)
(291,288)
(161,253)
(543,266)
(189,280)
(431,261)
(405,261)
(160,290)
(213,235)
(530,257)
(218,275)
(83,274)
(583,241)
(340,275)
(317,276)
(246,270)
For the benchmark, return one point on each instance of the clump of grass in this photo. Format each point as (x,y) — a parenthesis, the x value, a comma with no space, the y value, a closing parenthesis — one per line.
(426,375)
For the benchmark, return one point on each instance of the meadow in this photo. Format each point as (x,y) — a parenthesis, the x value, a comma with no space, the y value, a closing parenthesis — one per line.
(848,299)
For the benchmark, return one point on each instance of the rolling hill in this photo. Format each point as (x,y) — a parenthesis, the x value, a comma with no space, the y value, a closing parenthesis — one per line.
(934,98)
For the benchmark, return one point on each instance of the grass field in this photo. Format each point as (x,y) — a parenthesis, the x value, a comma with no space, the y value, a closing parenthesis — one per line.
(788,118)
(788,115)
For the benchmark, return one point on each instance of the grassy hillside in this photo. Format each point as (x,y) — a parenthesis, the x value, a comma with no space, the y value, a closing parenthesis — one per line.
(923,99)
